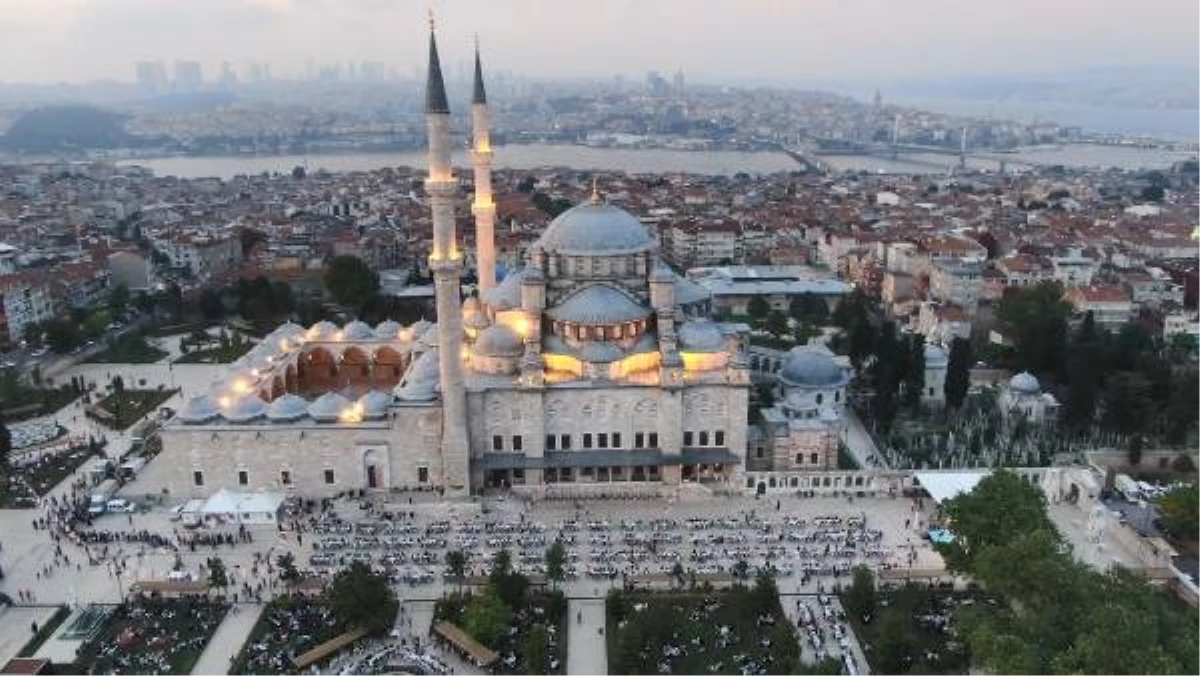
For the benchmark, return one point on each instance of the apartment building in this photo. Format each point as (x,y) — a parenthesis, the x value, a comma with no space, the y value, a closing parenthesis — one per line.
(1110,304)
(957,283)
(24,299)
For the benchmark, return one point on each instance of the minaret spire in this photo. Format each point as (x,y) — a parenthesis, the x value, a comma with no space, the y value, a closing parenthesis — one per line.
(484,208)
(445,262)
(435,87)
(479,97)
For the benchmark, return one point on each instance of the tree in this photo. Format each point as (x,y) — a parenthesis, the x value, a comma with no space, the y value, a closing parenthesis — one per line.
(486,617)
(757,309)
(997,510)
(677,573)
(350,280)
(777,323)
(914,371)
(62,335)
(118,299)
(556,560)
(958,373)
(501,564)
(808,307)
(286,562)
(535,652)
(1133,452)
(211,305)
(363,598)
(893,648)
(1180,510)
(218,578)
(859,597)
(1036,320)
(5,446)
(456,565)
(1183,464)
(1127,405)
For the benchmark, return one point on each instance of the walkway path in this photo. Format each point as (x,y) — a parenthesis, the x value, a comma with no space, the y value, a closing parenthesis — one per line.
(228,640)
(586,650)
(860,444)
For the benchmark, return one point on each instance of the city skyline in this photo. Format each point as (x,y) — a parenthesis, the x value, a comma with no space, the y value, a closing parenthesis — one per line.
(759,40)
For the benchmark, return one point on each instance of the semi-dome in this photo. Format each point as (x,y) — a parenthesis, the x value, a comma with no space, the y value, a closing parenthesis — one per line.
(934,356)
(375,404)
(421,381)
(287,408)
(499,341)
(1025,383)
(601,352)
(328,407)
(595,229)
(199,409)
(244,409)
(598,304)
(388,330)
(357,330)
(808,367)
(701,335)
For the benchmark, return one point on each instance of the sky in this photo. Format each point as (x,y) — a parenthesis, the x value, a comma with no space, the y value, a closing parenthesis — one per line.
(711,40)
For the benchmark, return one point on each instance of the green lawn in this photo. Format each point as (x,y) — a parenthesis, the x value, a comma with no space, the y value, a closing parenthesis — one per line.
(152,636)
(904,636)
(45,631)
(703,632)
(120,410)
(216,355)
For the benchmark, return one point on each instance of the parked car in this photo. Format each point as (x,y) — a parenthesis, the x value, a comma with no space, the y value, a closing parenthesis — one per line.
(120,505)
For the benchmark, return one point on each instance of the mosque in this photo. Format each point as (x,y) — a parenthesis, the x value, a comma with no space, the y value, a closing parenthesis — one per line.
(595,364)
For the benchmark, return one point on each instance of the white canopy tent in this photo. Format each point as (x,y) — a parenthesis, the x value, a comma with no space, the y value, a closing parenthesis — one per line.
(942,486)
(249,508)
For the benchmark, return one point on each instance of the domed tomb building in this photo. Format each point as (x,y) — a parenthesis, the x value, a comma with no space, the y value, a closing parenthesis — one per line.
(593,368)
(801,431)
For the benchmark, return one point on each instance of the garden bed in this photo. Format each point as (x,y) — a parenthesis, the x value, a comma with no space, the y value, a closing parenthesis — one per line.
(521,648)
(735,631)
(288,626)
(21,487)
(913,631)
(45,631)
(119,410)
(152,636)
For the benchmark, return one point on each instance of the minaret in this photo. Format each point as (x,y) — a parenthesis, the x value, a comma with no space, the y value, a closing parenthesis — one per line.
(481,159)
(446,263)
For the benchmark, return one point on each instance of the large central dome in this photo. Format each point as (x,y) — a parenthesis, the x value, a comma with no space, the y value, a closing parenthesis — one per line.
(593,229)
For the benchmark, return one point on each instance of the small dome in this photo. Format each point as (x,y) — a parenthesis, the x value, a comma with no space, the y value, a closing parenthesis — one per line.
(244,409)
(507,294)
(289,329)
(471,306)
(328,407)
(810,367)
(476,320)
(601,352)
(701,335)
(375,404)
(428,338)
(199,409)
(499,341)
(1025,383)
(357,330)
(421,381)
(287,408)
(419,327)
(934,356)
(322,331)
(388,330)
(598,304)
(661,272)
(595,229)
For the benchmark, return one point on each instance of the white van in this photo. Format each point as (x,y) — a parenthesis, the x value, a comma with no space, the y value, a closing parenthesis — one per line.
(120,505)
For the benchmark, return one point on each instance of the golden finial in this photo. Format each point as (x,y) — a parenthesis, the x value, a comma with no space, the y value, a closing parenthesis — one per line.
(595,198)
(431,21)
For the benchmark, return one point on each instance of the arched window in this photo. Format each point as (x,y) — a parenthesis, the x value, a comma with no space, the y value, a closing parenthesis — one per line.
(820,398)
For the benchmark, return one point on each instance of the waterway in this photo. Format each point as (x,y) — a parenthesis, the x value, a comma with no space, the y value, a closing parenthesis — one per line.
(656,161)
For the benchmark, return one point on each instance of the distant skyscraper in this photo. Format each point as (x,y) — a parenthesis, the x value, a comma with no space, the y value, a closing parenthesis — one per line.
(151,77)
(188,76)
(679,82)
(227,79)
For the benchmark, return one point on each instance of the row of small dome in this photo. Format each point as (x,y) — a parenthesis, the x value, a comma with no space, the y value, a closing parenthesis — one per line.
(329,407)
